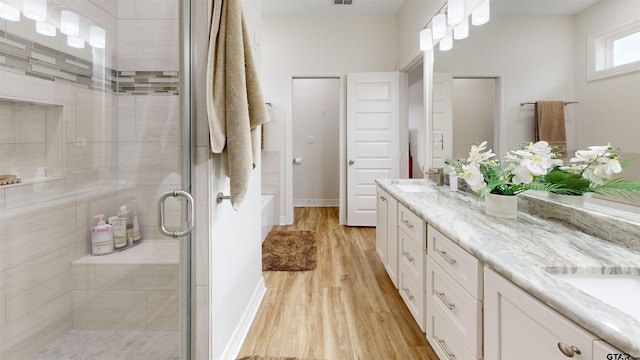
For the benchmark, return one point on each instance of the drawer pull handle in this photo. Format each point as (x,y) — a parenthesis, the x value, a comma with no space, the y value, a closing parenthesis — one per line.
(568,350)
(383,198)
(444,300)
(440,342)
(445,256)
(408,256)
(409,295)
(408,224)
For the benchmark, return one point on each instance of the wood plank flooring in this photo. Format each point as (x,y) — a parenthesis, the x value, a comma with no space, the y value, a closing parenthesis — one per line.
(347,308)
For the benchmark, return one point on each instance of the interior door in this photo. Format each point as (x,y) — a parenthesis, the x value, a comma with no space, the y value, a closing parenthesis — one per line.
(373,149)
(442,118)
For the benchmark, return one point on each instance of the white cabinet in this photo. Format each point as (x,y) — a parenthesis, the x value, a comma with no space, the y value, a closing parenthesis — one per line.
(518,326)
(387,233)
(412,252)
(603,351)
(453,299)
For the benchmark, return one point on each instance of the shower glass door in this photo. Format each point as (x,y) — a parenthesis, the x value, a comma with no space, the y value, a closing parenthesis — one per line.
(91,126)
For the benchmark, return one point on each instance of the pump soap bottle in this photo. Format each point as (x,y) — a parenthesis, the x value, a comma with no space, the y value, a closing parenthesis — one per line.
(101,237)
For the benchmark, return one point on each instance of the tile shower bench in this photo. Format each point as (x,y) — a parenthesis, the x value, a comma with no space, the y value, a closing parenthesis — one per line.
(134,289)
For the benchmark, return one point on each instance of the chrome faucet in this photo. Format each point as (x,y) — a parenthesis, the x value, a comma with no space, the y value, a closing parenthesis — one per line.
(436,175)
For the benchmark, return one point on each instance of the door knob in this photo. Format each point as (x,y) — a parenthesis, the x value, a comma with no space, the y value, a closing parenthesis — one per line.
(351,162)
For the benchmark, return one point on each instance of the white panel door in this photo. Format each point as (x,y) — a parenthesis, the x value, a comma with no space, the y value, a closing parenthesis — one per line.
(442,118)
(373,151)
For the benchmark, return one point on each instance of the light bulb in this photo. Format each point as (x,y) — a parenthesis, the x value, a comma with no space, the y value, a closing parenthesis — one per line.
(8,12)
(426,41)
(446,43)
(69,23)
(35,9)
(455,12)
(461,31)
(481,14)
(97,37)
(75,42)
(45,29)
(439,26)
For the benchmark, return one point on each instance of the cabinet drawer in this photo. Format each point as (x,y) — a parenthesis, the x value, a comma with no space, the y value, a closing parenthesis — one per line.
(411,256)
(461,312)
(412,224)
(443,340)
(459,264)
(413,296)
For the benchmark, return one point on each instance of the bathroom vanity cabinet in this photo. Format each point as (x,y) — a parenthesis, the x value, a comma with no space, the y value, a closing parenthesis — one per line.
(387,233)
(446,275)
(518,326)
(412,252)
(453,299)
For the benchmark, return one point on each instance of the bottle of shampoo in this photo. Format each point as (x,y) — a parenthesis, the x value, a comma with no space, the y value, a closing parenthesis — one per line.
(124,213)
(119,233)
(137,236)
(101,237)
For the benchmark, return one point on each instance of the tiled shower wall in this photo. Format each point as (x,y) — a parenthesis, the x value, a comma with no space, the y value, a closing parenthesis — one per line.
(121,146)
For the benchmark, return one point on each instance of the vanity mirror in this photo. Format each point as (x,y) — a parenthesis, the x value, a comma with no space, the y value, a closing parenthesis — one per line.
(538,50)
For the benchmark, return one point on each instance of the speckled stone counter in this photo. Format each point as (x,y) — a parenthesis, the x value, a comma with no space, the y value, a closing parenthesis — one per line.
(527,251)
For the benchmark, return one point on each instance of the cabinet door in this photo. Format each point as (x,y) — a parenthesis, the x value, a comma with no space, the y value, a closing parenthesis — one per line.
(518,326)
(392,240)
(603,351)
(382,225)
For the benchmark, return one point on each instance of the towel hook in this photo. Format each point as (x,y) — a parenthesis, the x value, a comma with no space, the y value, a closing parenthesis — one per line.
(221,197)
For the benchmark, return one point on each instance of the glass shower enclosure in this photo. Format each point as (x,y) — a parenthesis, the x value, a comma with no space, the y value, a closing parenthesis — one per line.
(91,122)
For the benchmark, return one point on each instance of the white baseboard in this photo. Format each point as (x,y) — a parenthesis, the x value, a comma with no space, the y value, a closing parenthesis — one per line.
(240,334)
(316,202)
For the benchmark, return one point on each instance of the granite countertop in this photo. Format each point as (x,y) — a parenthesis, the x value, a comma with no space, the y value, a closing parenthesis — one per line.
(527,250)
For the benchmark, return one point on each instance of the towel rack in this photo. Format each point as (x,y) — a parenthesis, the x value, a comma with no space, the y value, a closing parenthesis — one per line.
(221,197)
(532,103)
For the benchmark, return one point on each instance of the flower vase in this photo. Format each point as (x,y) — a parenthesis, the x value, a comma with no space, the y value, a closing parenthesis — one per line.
(504,206)
(577,200)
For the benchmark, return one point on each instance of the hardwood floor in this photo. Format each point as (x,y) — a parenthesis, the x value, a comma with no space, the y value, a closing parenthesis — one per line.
(347,308)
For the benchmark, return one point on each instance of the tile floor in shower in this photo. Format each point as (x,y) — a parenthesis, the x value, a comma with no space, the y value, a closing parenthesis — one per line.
(113,345)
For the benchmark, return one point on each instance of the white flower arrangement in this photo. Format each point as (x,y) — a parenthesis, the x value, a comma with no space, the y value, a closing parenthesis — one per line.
(537,166)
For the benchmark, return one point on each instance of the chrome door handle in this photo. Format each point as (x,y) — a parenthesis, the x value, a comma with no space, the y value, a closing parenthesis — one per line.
(440,342)
(445,256)
(190,212)
(351,162)
(444,299)
(568,350)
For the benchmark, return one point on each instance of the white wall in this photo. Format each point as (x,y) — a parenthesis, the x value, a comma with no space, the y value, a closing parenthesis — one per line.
(411,19)
(317,46)
(316,115)
(473,114)
(535,56)
(609,109)
(232,291)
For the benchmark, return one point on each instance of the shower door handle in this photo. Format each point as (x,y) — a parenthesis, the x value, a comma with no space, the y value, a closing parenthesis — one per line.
(190,212)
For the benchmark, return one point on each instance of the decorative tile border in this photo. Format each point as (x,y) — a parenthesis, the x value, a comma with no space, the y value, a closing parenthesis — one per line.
(25,57)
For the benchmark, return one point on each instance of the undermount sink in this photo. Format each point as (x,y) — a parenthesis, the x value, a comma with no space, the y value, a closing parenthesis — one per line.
(415,188)
(619,291)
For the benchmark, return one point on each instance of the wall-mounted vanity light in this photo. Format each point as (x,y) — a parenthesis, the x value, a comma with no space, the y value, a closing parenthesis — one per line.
(439,26)
(75,42)
(426,39)
(8,12)
(461,31)
(45,29)
(69,23)
(35,9)
(455,12)
(446,43)
(97,37)
(481,14)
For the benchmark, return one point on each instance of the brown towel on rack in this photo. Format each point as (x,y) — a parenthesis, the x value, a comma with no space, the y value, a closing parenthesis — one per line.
(549,123)
(235,105)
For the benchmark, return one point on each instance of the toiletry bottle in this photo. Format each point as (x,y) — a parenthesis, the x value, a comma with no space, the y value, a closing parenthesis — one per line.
(119,233)
(126,214)
(101,237)
(137,236)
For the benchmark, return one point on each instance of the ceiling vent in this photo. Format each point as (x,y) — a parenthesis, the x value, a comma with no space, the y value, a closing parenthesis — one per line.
(342,2)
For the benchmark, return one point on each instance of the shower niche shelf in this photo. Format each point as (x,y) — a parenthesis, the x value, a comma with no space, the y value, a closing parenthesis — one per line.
(31,141)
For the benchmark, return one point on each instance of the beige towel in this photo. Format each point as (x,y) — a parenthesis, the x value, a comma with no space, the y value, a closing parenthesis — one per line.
(235,104)
(549,123)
